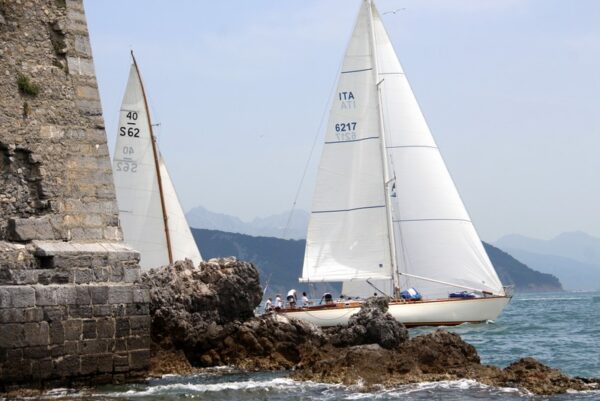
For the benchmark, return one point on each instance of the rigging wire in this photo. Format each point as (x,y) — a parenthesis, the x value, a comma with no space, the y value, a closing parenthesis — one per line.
(310,155)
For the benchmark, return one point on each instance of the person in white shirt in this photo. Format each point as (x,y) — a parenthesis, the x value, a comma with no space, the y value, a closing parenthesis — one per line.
(268,305)
(291,298)
(278,302)
(305,301)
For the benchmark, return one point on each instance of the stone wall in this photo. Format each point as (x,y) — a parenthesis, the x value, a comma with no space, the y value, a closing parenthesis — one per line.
(54,166)
(71,311)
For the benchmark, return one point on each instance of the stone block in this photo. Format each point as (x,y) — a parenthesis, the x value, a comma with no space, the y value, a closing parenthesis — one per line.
(101,274)
(19,315)
(84,276)
(122,328)
(99,294)
(66,295)
(120,295)
(80,66)
(101,310)
(67,366)
(12,335)
(57,333)
(37,333)
(88,347)
(73,329)
(131,275)
(141,295)
(12,296)
(138,309)
(105,328)
(45,296)
(37,352)
(120,345)
(89,364)
(59,350)
(30,229)
(87,92)
(116,274)
(139,360)
(54,313)
(89,329)
(80,312)
(105,363)
(41,369)
(83,295)
(71,347)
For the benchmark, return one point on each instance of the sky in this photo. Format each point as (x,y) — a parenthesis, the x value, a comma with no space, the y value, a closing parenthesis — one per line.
(510,90)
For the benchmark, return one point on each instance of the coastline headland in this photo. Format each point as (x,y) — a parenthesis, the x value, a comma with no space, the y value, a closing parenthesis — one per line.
(204,317)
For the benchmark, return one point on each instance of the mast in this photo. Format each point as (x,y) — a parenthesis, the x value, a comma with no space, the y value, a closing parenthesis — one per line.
(384,159)
(156,164)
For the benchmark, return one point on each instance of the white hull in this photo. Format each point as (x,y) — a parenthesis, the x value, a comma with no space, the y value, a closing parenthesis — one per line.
(446,312)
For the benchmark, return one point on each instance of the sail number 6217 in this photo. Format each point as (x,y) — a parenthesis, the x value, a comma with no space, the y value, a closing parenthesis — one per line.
(346,131)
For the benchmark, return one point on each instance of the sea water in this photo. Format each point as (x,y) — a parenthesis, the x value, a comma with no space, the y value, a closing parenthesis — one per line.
(560,329)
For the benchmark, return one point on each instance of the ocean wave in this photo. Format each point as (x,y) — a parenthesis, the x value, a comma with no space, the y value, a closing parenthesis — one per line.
(247,385)
(398,392)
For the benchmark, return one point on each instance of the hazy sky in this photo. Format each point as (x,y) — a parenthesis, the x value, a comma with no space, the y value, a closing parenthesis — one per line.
(510,89)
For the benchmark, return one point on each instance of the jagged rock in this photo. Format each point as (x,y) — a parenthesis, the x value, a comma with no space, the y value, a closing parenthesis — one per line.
(188,304)
(371,325)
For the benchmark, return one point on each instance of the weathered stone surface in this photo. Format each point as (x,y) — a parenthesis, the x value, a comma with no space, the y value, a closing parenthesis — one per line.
(372,325)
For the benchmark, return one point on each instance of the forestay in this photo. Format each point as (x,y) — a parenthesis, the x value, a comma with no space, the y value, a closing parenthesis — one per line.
(136,183)
(347,235)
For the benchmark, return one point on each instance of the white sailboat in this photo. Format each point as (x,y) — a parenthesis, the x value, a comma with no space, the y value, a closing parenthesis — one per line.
(150,214)
(386,214)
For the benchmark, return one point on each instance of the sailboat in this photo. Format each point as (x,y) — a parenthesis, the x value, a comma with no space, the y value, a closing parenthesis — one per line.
(386,215)
(150,214)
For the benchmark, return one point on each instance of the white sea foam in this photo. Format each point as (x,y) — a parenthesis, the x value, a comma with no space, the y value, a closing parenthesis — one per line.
(399,392)
(248,385)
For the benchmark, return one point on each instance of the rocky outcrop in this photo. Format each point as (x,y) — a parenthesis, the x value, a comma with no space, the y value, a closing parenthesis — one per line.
(372,325)
(208,313)
(431,357)
(191,305)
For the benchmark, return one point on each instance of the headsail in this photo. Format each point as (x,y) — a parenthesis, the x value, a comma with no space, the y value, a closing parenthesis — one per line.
(347,235)
(137,187)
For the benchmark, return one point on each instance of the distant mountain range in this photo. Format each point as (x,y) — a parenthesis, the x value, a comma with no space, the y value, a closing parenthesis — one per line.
(280,261)
(573,257)
(271,226)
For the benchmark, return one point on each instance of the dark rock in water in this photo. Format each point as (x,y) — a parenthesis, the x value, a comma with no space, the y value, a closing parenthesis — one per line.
(208,312)
(538,378)
(371,325)
(188,304)
(431,357)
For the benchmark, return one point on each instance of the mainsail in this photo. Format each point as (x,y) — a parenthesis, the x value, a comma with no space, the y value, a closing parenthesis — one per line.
(436,247)
(150,214)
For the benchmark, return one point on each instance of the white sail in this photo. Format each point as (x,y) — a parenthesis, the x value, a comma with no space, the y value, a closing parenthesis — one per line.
(435,237)
(183,244)
(136,183)
(347,235)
